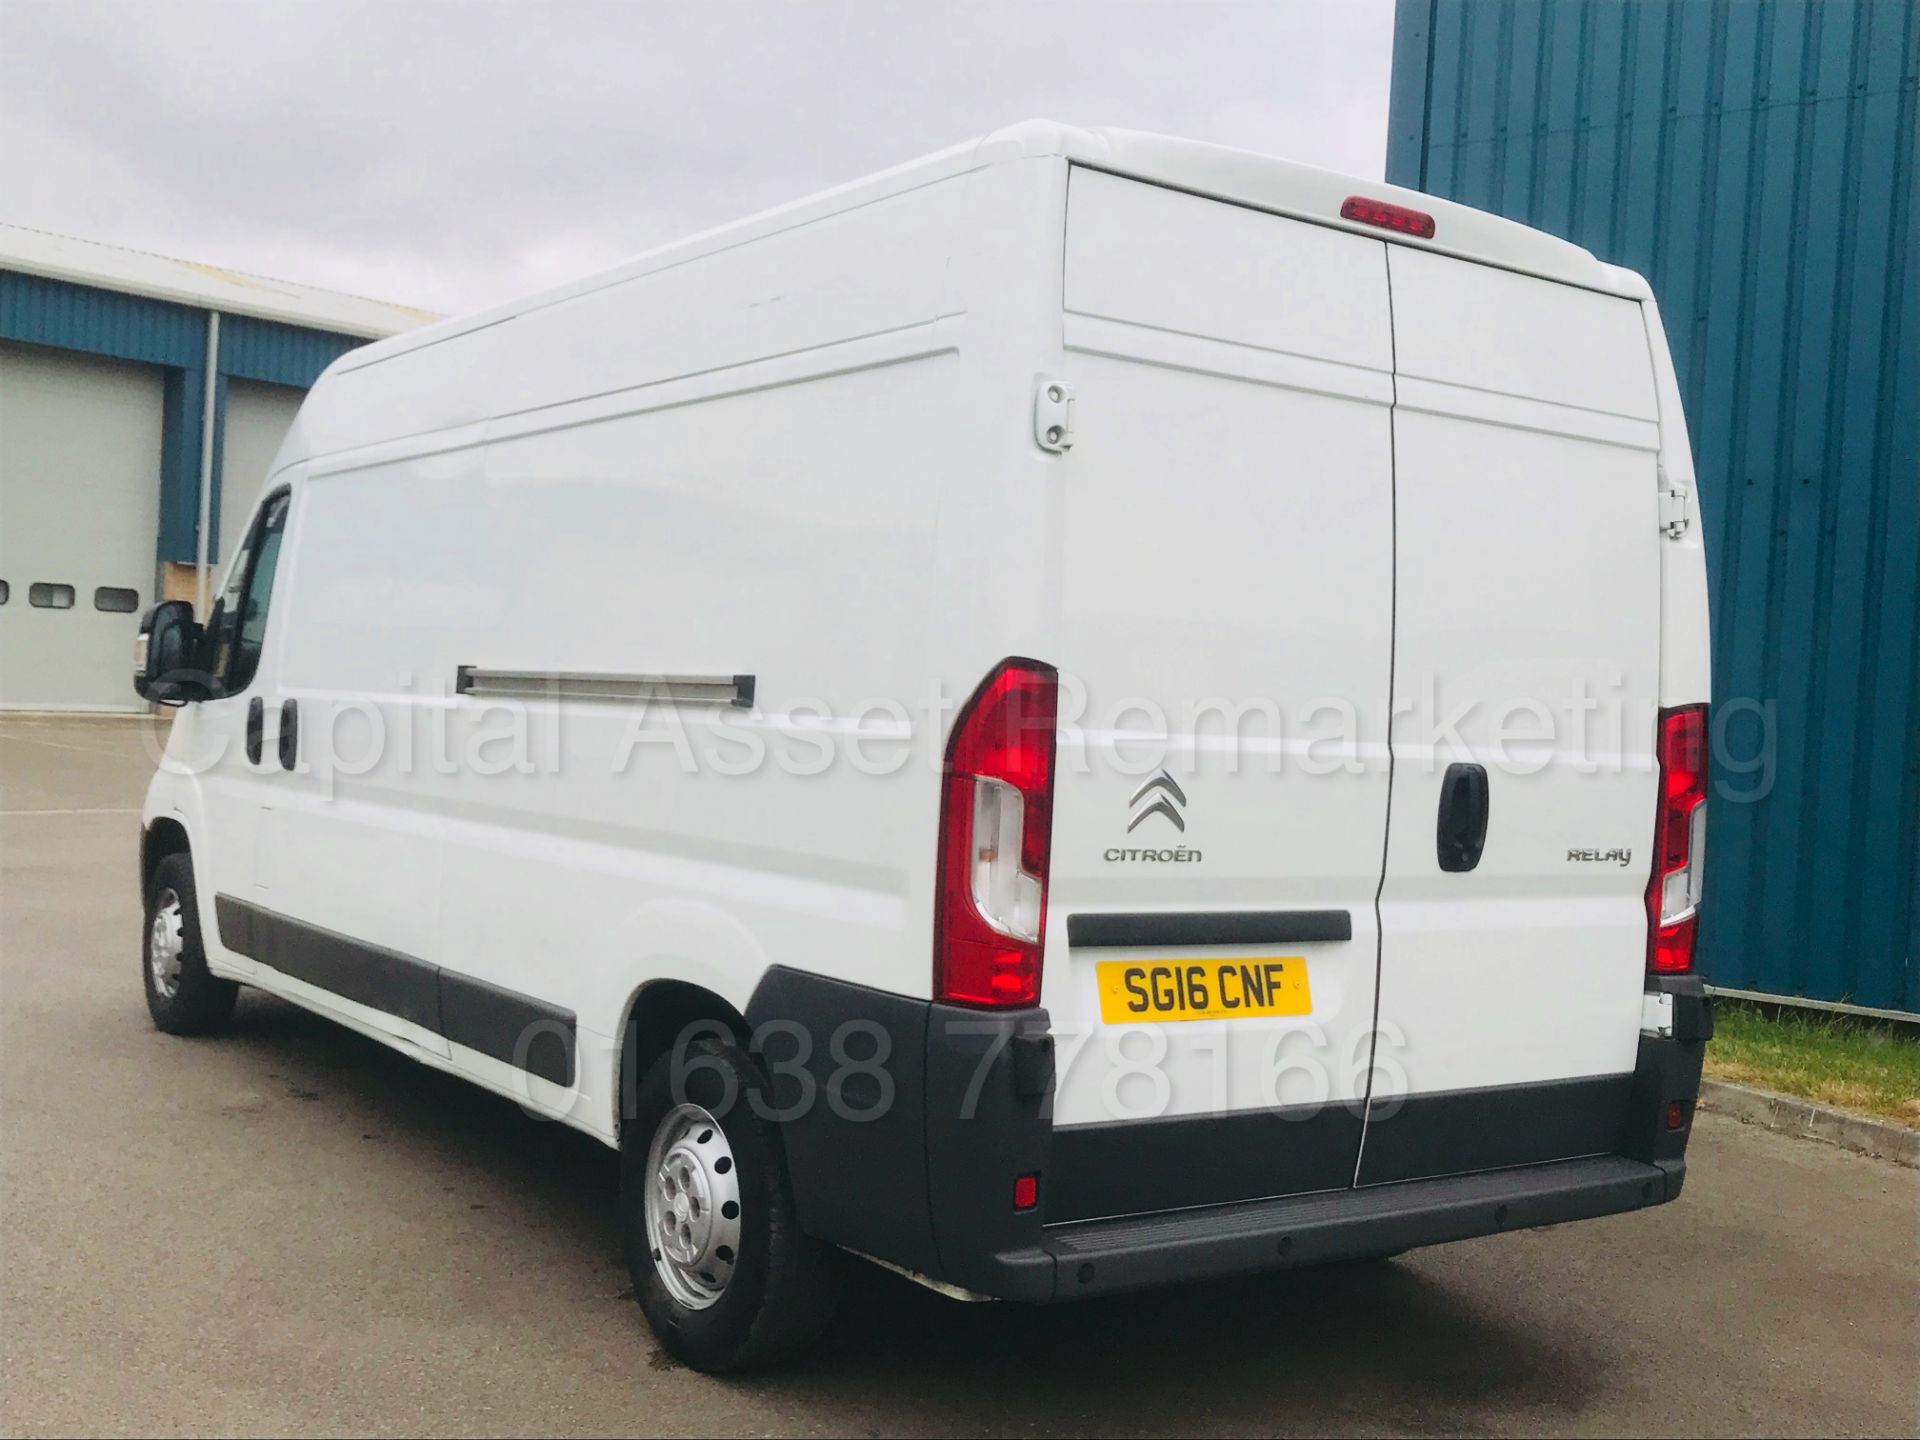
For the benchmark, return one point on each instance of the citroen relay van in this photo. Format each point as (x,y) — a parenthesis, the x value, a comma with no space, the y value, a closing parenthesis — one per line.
(1089,712)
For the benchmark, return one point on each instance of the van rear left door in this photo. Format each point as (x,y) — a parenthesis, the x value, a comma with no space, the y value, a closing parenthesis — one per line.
(1221,785)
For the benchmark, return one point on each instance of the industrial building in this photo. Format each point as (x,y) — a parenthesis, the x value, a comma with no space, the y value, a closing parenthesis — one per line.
(1755,160)
(137,394)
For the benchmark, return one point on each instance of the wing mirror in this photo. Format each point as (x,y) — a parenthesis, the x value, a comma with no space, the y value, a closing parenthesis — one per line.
(166,656)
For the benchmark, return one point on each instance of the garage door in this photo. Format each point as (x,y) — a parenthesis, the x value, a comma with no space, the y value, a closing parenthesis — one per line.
(79,507)
(258,417)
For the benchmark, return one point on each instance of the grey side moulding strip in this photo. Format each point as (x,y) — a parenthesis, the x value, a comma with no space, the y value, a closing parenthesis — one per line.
(730,690)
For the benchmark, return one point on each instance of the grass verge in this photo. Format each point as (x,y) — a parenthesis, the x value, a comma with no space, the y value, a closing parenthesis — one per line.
(1831,1059)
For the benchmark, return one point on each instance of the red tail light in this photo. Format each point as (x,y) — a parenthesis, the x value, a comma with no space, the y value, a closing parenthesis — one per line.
(1388,217)
(996,829)
(1679,841)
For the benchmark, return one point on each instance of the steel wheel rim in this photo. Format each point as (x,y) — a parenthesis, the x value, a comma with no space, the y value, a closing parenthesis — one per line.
(692,1206)
(167,944)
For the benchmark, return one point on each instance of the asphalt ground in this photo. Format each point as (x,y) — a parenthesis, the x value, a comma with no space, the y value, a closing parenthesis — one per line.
(291,1230)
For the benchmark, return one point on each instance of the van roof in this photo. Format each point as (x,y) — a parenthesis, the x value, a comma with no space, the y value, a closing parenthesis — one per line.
(1242,177)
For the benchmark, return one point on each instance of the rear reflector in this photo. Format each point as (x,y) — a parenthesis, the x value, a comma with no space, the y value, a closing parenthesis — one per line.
(996,832)
(1679,841)
(1026,1191)
(1397,218)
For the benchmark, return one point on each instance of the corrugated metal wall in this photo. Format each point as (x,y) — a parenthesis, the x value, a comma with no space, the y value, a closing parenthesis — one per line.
(1755,159)
(158,332)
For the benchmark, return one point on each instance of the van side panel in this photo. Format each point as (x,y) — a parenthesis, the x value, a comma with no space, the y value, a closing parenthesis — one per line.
(800,407)
(870,271)
(693,841)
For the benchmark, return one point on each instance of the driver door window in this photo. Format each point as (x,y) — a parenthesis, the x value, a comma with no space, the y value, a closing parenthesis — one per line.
(238,631)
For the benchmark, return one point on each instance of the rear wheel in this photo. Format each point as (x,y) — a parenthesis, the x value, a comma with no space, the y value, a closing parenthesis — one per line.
(183,996)
(725,1275)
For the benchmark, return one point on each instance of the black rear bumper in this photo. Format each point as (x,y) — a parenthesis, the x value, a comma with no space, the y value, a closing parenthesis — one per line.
(1099,1256)
(909,1153)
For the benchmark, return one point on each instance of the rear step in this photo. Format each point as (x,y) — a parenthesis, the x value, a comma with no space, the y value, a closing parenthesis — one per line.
(1094,1257)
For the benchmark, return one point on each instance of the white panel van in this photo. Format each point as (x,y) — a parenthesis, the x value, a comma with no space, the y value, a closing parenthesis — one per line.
(1087,712)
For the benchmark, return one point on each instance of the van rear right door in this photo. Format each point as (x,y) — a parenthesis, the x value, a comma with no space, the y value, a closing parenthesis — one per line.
(1526,652)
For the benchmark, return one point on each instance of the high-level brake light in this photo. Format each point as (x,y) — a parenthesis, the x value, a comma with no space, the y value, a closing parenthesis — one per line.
(996,830)
(1679,842)
(1397,218)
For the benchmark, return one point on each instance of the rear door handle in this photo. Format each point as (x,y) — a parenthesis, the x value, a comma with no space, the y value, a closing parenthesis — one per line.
(256,728)
(1462,831)
(289,734)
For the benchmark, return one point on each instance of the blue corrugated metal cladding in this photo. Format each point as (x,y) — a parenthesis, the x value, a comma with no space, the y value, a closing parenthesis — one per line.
(39,311)
(1755,160)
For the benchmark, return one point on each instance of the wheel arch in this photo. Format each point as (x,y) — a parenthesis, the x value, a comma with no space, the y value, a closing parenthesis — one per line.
(657,1014)
(165,836)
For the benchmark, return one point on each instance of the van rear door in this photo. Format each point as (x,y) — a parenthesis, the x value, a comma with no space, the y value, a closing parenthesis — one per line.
(1221,784)
(1526,658)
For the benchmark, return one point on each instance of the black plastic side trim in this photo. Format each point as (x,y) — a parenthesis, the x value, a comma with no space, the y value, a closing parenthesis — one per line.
(1454,1132)
(351,969)
(856,1149)
(524,1032)
(911,1159)
(984,1128)
(1667,1073)
(1178,928)
(234,918)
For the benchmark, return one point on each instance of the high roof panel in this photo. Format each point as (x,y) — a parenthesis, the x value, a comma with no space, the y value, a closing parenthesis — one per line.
(1242,177)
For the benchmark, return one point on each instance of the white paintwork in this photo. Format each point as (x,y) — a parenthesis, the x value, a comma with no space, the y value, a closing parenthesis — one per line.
(1227,538)
(1528,584)
(1262,182)
(802,448)
(79,500)
(1686,666)
(187,282)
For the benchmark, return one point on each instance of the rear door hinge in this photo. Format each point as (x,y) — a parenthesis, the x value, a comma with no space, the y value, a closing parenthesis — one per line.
(1673,507)
(1053,416)
(1656,1015)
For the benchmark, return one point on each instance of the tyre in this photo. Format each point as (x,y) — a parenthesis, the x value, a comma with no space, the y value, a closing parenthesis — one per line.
(183,996)
(726,1277)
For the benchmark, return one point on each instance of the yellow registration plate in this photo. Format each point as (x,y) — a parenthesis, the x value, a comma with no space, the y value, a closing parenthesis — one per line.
(1236,989)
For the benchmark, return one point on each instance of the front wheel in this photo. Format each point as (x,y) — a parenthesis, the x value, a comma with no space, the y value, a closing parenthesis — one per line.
(183,996)
(720,1266)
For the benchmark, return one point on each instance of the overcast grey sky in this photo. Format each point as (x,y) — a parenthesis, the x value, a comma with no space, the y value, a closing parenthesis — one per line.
(449,153)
